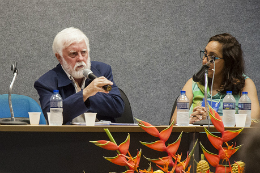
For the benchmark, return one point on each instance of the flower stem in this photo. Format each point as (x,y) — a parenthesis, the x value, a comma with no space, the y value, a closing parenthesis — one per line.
(111,138)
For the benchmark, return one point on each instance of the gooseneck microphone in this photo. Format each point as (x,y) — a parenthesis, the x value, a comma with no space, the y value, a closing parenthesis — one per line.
(198,76)
(90,75)
(13,120)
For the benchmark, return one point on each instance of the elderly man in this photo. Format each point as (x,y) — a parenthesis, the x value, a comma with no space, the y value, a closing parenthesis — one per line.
(79,94)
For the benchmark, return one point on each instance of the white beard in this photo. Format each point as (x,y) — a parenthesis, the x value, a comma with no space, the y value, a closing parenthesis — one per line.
(77,74)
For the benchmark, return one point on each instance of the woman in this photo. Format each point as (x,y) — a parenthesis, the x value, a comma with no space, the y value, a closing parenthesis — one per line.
(229,75)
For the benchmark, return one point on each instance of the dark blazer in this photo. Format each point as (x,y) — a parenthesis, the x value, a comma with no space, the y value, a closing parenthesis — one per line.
(107,106)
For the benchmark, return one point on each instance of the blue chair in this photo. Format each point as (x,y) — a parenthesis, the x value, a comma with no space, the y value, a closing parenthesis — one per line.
(21,106)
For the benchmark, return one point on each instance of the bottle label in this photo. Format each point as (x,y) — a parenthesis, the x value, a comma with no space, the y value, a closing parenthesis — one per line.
(56,104)
(183,105)
(215,104)
(244,106)
(228,106)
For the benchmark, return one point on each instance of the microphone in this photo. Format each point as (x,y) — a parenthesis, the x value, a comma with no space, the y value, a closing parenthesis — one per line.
(14,68)
(90,75)
(197,77)
(13,120)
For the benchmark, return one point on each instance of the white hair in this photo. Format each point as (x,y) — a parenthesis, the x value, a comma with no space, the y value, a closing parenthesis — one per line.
(66,37)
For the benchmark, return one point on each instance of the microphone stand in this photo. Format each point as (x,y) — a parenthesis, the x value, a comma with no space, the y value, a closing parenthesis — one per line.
(196,78)
(10,92)
(12,121)
(205,97)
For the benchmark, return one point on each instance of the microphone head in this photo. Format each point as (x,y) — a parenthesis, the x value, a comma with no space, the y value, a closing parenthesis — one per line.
(198,76)
(14,67)
(86,72)
(89,74)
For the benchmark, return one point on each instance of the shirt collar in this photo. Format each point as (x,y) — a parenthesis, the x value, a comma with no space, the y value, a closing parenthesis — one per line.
(73,81)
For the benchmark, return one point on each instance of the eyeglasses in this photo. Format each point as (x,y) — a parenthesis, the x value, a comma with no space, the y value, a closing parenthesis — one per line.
(203,54)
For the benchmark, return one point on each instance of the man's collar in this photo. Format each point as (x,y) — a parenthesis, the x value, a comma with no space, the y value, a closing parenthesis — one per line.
(63,79)
(69,76)
(72,78)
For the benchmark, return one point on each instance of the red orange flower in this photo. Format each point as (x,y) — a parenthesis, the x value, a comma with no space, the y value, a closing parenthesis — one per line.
(108,145)
(224,152)
(164,162)
(227,152)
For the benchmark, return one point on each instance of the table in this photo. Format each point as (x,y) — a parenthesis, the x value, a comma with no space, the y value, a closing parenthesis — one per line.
(67,148)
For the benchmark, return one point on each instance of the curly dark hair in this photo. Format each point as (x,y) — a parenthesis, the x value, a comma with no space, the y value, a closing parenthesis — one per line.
(233,79)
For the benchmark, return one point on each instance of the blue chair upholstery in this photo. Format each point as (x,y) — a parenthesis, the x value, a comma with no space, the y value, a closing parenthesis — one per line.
(21,106)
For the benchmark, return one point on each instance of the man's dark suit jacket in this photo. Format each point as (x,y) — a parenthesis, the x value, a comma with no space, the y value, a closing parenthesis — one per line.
(107,106)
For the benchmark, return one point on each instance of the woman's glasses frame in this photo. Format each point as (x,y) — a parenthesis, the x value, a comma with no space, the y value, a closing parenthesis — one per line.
(203,54)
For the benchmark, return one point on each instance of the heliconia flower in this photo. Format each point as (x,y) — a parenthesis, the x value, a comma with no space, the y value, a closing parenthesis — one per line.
(165,134)
(174,166)
(148,128)
(124,146)
(214,140)
(188,169)
(213,159)
(163,169)
(108,145)
(118,160)
(137,158)
(162,161)
(216,120)
(230,134)
(157,145)
(183,165)
(226,152)
(129,171)
(222,169)
(172,148)
(133,163)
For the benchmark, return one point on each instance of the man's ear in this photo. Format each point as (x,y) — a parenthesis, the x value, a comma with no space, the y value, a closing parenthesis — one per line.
(59,58)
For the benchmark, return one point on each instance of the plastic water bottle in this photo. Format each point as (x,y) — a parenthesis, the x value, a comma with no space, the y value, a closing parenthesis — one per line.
(56,109)
(183,117)
(229,104)
(244,107)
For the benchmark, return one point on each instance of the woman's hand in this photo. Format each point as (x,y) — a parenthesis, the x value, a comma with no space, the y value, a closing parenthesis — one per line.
(199,113)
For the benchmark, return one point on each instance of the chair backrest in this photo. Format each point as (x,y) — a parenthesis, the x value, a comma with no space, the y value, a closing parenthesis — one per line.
(21,106)
(127,116)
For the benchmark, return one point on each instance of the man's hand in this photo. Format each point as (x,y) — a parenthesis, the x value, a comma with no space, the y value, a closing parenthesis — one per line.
(199,113)
(96,86)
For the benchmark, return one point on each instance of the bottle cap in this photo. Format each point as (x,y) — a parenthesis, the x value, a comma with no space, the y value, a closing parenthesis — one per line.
(244,93)
(55,91)
(229,92)
(183,92)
